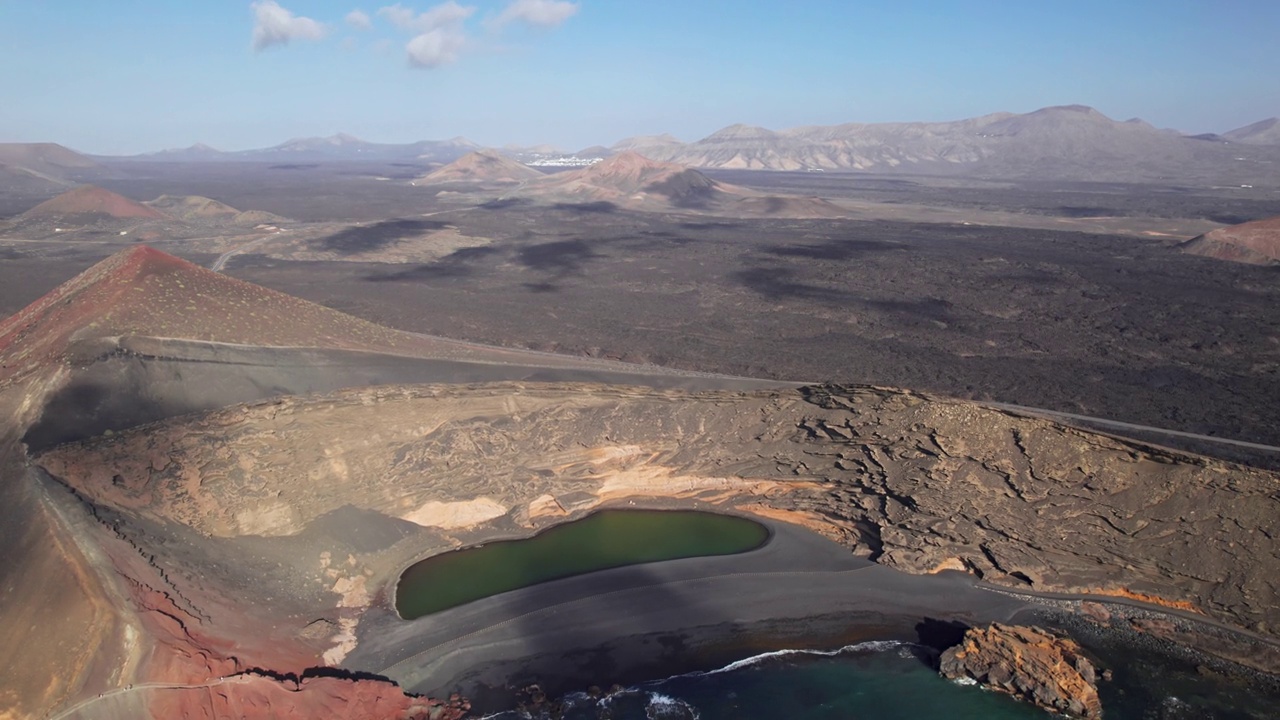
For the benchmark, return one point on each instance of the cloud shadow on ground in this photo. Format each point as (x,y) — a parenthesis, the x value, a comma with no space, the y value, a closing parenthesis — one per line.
(377,236)
(835,249)
(459,263)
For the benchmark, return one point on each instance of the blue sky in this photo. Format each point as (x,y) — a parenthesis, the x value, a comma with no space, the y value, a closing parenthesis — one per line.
(136,75)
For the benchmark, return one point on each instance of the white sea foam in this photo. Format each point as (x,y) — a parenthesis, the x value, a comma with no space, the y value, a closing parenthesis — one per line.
(862,647)
(662,706)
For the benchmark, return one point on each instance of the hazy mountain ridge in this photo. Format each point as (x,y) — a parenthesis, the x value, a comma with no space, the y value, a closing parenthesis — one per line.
(341,147)
(1067,142)
(1263,132)
(1071,142)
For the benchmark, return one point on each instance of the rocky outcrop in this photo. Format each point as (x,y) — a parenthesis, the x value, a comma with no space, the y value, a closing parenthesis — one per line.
(1027,663)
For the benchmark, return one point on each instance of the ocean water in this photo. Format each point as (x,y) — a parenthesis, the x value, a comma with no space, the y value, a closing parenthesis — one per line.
(886,680)
(868,681)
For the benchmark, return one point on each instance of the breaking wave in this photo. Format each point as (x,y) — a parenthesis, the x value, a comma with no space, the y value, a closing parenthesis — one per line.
(862,647)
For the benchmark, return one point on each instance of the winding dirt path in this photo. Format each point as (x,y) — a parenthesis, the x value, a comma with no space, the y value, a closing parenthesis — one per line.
(139,687)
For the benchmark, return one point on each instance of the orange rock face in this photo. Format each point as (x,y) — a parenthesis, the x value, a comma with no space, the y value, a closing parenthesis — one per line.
(1027,663)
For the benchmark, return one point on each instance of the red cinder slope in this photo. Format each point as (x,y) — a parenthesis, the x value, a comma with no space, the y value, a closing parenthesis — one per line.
(88,200)
(1256,242)
(481,166)
(142,291)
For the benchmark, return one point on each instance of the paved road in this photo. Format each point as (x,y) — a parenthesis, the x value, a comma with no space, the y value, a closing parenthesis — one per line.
(1122,427)
(221,262)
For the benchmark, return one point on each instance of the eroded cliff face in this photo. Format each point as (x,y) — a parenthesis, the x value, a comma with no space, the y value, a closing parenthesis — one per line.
(920,484)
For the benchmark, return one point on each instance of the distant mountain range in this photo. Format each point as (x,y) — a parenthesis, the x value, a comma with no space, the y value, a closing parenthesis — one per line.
(335,148)
(1070,142)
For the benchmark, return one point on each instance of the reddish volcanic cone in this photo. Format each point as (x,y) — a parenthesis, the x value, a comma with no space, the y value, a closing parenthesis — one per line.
(632,180)
(142,291)
(90,201)
(481,166)
(1256,243)
(629,178)
(630,172)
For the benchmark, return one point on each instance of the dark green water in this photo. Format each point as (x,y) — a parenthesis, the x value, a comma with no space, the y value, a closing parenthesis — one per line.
(607,539)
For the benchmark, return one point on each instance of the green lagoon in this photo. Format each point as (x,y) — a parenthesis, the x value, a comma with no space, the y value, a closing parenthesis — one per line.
(604,540)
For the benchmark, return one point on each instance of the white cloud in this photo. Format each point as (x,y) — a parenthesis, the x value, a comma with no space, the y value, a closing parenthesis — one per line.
(438,32)
(446,14)
(435,47)
(273,25)
(359,20)
(399,15)
(541,13)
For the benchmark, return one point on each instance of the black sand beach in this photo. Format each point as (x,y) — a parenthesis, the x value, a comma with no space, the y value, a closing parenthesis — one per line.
(609,626)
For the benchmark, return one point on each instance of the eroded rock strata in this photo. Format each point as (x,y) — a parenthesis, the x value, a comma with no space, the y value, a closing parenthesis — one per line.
(1027,663)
